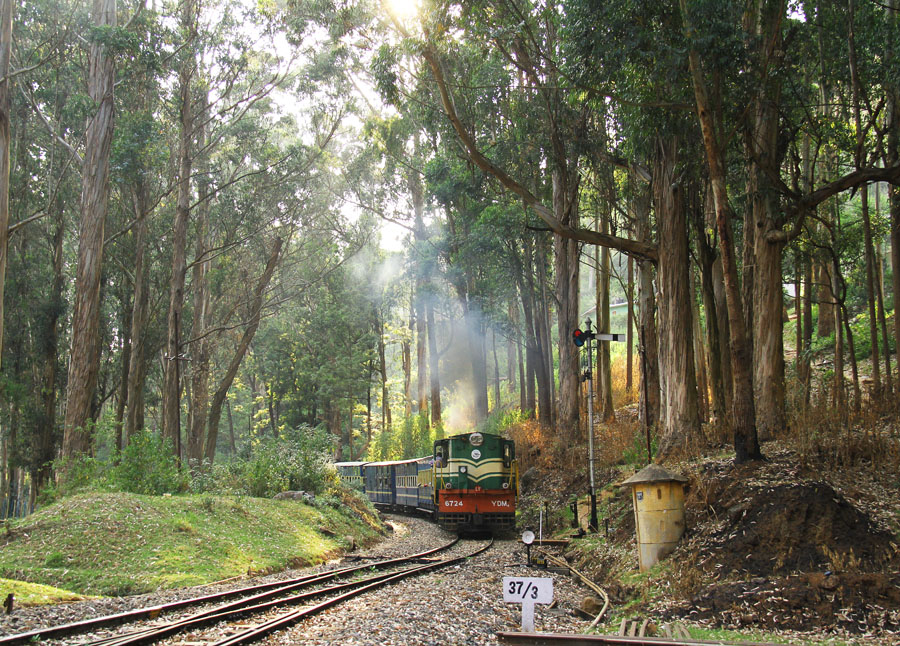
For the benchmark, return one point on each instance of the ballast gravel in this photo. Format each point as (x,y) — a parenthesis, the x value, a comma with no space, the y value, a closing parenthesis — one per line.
(461,604)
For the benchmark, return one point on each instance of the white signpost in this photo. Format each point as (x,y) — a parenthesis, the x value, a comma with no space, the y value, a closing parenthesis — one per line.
(527,591)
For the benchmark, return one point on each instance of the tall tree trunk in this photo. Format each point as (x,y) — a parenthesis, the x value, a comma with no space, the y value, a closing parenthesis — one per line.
(434,375)
(421,356)
(520,362)
(604,369)
(134,414)
(382,368)
(882,318)
(6,18)
(804,281)
(511,345)
(648,342)
(232,443)
(767,303)
(406,357)
(46,430)
(531,353)
(566,265)
(681,428)
(139,314)
(414,182)
(707,258)
(172,378)
(200,352)
(542,332)
(825,299)
(218,398)
(851,352)
(743,413)
(768,344)
(629,334)
(496,369)
(840,399)
(123,384)
(700,356)
(892,158)
(84,363)
(536,350)
(806,373)
(864,199)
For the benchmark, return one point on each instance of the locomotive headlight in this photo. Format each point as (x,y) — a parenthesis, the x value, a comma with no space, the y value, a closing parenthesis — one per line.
(463,469)
(448,485)
(476,439)
(506,485)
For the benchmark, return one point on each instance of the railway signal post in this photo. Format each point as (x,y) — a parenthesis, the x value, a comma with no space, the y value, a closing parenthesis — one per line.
(581,338)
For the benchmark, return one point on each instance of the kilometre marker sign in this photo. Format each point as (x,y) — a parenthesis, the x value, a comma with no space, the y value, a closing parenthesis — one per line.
(527,591)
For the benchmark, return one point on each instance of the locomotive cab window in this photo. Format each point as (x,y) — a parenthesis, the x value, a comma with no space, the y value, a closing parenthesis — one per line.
(507,455)
(441,453)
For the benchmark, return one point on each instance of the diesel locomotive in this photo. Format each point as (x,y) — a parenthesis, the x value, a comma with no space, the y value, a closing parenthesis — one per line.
(469,483)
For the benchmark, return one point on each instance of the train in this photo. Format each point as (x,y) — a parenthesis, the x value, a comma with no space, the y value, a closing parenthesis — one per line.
(468,484)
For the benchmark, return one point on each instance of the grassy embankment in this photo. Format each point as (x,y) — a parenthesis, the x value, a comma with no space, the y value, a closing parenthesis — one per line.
(115,543)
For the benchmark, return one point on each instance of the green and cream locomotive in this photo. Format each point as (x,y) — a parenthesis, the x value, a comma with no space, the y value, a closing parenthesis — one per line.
(469,483)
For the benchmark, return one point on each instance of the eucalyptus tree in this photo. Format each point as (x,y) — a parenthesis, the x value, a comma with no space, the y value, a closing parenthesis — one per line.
(891,154)
(84,363)
(6,19)
(187,67)
(529,42)
(522,58)
(44,183)
(778,212)
(227,74)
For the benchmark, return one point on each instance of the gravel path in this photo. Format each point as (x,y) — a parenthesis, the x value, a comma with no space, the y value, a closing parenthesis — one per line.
(459,605)
(462,605)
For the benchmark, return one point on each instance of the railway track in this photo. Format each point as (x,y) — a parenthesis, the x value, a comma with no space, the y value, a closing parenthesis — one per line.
(250,600)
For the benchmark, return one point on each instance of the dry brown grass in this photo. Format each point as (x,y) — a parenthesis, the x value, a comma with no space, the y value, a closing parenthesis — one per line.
(826,437)
(622,397)
(535,445)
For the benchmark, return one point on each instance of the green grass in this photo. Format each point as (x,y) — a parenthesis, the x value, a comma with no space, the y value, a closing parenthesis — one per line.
(721,634)
(34,594)
(116,543)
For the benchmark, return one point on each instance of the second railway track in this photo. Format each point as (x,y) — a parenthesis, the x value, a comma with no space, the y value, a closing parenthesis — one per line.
(241,603)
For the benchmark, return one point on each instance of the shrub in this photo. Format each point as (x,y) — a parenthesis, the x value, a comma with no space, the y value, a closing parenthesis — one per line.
(500,421)
(297,460)
(147,466)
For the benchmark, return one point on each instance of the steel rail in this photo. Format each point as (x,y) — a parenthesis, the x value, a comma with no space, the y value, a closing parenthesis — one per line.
(231,611)
(152,612)
(289,618)
(551,639)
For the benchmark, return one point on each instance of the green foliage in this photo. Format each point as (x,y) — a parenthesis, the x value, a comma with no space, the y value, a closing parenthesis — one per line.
(500,420)
(415,437)
(636,454)
(147,466)
(297,460)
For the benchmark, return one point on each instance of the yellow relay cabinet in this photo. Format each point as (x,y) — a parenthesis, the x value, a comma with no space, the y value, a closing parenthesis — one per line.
(658,497)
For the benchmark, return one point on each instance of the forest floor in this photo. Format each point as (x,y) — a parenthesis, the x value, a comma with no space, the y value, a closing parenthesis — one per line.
(801,544)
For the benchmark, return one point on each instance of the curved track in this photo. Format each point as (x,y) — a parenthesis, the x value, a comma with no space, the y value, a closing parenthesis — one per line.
(249,599)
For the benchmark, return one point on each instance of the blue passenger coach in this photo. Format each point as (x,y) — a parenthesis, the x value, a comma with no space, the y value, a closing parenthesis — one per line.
(379,480)
(351,473)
